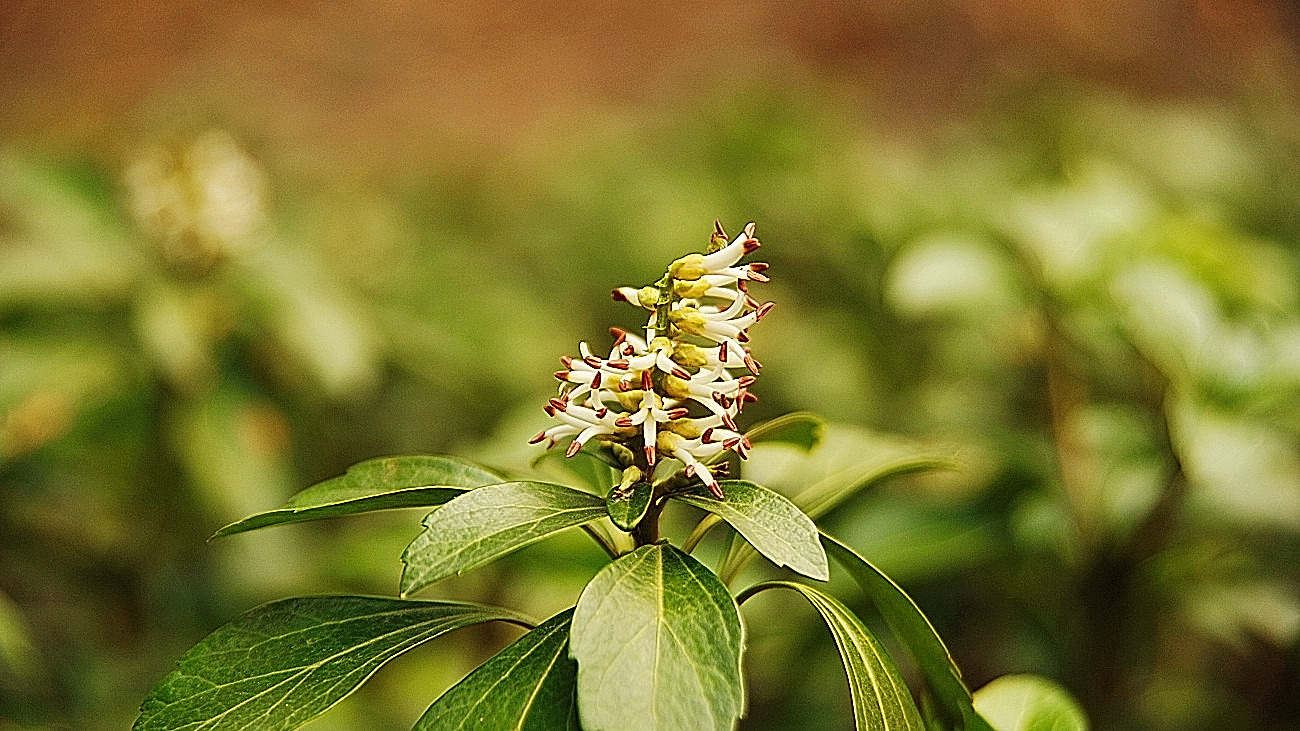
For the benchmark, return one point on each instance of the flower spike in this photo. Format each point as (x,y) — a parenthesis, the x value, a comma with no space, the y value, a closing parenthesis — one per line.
(673,392)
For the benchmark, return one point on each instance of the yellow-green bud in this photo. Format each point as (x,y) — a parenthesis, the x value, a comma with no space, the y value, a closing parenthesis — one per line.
(666,442)
(676,387)
(689,355)
(691,289)
(630,476)
(684,427)
(688,320)
(624,455)
(648,297)
(630,400)
(689,267)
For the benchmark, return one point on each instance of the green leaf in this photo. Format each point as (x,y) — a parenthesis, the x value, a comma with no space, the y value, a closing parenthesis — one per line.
(657,638)
(1029,703)
(828,493)
(942,677)
(627,507)
(771,523)
(802,429)
(376,484)
(284,663)
(531,684)
(484,524)
(880,698)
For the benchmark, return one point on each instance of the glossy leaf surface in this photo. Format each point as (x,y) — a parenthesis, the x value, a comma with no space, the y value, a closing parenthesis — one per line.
(282,664)
(481,525)
(771,523)
(528,685)
(627,507)
(375,484)
(657,638)
(941,675)
(880,698)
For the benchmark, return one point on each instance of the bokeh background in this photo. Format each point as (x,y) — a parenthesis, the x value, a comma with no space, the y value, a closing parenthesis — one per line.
(246,244)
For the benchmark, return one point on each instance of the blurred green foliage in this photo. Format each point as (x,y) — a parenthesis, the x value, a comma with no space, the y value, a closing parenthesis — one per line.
(1093,302)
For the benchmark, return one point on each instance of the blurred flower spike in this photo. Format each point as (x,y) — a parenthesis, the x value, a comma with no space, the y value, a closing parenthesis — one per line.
(203,201)
(677,391)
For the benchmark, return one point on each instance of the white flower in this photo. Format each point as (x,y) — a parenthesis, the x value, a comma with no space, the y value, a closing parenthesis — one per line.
(672,393)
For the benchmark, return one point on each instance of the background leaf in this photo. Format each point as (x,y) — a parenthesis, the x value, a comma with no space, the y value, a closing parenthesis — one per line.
(881,699)
(1029,703)
(907,621)
(284,663)
(375,484)
(823,495)
(492,521)
(800,428)
(771,524)
(529,685)
(826,494)
(657,638)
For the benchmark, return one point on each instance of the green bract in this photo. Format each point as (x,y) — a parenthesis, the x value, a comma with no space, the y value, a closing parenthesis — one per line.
(655,640)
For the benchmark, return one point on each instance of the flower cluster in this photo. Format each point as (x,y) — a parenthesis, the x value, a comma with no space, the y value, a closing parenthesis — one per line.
(672,393)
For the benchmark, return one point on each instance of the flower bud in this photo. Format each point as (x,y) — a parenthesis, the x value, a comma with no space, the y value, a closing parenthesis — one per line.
(690,355)
(689,267)
(688,320)
(691,289)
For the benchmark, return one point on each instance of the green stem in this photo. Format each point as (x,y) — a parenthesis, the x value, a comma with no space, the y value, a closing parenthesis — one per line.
(647,531)
(602,540)
(701,529)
